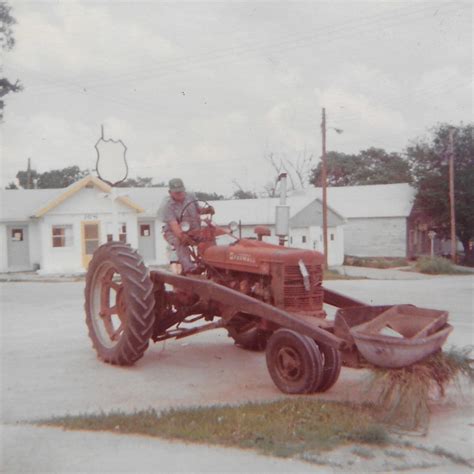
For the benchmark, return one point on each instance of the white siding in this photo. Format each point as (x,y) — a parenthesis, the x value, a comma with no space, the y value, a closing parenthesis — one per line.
(35,243)
(86,205)
(3,248)
(69,259)
(376,237)
(314,241)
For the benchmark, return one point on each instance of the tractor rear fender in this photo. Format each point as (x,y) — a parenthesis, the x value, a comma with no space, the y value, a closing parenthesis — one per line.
(209,291)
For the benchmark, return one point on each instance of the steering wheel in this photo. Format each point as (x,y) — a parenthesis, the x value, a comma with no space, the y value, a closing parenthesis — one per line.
(207,220)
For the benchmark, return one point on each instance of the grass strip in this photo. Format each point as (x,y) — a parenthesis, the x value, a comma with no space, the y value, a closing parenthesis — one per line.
(375,262)
(282,428)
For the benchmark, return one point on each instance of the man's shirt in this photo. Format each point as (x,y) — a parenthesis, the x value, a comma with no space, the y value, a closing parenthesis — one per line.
(171,210)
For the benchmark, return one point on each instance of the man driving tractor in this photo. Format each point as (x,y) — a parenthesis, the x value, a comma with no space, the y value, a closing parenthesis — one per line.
(181,207)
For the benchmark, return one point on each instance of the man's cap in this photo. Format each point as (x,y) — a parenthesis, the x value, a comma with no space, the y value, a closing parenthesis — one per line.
(176,185)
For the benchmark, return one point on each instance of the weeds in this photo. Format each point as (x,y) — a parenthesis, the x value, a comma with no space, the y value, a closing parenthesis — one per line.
(375,262)
(436,266)
(403,394)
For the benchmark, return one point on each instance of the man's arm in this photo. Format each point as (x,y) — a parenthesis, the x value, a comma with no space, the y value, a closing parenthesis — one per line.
(176,229)
(184,238)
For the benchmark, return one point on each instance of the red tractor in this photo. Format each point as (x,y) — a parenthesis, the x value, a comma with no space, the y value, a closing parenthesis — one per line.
(268,297)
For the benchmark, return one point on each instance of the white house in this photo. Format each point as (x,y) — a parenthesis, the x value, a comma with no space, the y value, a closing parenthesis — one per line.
(305,222)
(376,217)
(57,230)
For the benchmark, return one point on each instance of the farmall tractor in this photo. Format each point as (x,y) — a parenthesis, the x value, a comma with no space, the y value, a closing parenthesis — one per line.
(268,297)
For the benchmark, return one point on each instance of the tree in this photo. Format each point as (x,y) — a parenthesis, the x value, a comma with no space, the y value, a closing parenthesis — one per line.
(60,178)
(341,170)
(430,169)
(22,177)
(11,185)
(371,166)
(240,193)
(140,182)
(7,42)
(297,169)
(203,196)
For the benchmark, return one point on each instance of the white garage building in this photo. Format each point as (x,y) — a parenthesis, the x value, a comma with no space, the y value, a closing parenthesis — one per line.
(376,217)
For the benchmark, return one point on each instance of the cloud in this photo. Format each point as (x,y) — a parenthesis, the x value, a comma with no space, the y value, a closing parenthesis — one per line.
(205,92)
(443,88)
(357,111)
(51,141)
(84,38)
(369,81)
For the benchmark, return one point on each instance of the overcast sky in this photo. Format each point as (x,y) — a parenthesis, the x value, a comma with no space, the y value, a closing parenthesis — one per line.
(204,90)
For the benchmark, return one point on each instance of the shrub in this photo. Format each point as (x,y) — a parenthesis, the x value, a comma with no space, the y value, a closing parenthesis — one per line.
(435,266)
(375,262)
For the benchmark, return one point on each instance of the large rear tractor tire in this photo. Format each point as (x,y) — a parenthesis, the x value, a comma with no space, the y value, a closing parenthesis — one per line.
(294,362)
(119,304)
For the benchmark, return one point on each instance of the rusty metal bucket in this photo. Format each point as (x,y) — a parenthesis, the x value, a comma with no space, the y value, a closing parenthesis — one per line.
(393,336)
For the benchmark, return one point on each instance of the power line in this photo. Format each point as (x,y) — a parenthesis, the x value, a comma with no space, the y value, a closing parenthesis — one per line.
(333,33)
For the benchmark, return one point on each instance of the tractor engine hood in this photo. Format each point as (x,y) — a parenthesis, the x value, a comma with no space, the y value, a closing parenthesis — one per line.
(256,256)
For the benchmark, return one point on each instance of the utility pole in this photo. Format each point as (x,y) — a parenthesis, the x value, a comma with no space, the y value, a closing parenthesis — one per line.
(324,186)
(28,175)
(451,194)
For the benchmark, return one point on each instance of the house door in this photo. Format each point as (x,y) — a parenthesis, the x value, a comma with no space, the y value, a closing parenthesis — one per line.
(90,240)
(146,240)
(18,248)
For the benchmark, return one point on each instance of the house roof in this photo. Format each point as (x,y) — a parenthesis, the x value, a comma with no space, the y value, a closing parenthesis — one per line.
(149,199)
(377,200)
(22,204)
(388,200)
(262,211)
(77,186)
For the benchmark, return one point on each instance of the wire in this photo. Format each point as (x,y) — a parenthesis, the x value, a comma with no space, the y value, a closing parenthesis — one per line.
(342,29)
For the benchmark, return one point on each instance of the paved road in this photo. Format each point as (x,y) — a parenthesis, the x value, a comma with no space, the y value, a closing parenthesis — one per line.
(49,368)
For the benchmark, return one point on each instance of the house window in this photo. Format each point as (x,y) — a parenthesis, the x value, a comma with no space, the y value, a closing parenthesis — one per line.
(122,234)
(332,236)
(145,230)
(62,235)
(303,239)
(17,235)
